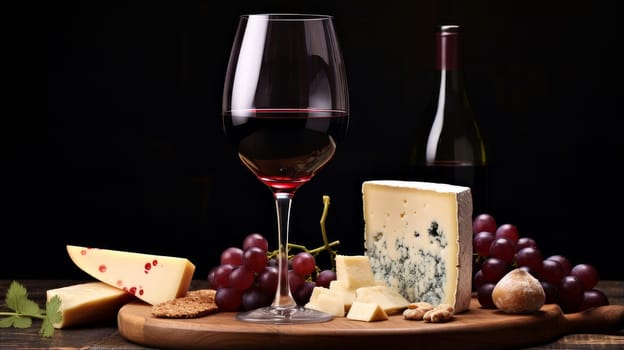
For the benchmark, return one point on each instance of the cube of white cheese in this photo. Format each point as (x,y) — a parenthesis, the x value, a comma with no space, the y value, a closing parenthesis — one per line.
(330,304)
(89,302)
(326,301)
(354,270)
(418,237)
(151,278)
(365,311)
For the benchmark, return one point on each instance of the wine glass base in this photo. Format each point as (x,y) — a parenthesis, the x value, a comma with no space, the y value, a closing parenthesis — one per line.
(292,315)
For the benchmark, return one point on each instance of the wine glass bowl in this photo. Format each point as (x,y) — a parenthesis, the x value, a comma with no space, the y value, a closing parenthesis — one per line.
(285,109)
(286,148)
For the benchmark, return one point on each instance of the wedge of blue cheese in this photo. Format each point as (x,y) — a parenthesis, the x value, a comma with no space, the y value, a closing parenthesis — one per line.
(418,237)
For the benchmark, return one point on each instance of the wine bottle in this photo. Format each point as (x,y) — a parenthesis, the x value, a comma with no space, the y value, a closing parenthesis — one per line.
(451,148)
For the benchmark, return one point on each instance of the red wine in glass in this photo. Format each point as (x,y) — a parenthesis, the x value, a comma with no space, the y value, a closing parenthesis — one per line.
(285,148)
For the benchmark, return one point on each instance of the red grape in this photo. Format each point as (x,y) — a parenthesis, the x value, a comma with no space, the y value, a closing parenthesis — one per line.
(550,291)
(303,263)
(530,271)
(481,243)
(211,278)
(255,240)
(502,248)
(324,278)
(228,299)
(267,280)
(241,278)
(593,298)
(221,276)
(254,298)
(571,294)
(587,274)
(524,242)
(484,295)
(232,256)
(565,263)
(295,280)
(493,269)
(255,259)
(531,258)
(551,271)
(509,231)
(302,295)
(484,222)
(477,280)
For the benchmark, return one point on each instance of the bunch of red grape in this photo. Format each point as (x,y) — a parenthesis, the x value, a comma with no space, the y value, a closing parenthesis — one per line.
(499,249)
(247,278)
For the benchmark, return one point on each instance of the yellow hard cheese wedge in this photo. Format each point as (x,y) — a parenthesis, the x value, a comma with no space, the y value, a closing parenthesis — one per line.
(88,303)
(151,278)
(366,311)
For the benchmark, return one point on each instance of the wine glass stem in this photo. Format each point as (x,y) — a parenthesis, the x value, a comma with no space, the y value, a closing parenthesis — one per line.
(283,297)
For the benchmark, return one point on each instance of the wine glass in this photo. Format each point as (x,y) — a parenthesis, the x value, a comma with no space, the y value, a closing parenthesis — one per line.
(285,107)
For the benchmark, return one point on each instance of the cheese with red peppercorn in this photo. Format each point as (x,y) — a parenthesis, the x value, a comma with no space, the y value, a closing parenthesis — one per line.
(151,278)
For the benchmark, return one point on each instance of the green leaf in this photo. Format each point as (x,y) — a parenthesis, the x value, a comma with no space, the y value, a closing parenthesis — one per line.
(53,310)
(6,322)
(22,322)
(53,315)
(14,295)
(28,307)
(47,329)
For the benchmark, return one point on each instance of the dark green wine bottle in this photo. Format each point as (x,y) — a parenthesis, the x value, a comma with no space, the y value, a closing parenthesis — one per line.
(450,148)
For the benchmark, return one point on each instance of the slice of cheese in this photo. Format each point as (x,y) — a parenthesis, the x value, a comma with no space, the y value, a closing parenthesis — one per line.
(316,291)
(87,303)
(151,278)
(368,312)
(354,270)
(390,301)
(418,237)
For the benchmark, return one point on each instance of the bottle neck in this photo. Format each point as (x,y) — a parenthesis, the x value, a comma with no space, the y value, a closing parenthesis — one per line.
(448,48)
(449,62)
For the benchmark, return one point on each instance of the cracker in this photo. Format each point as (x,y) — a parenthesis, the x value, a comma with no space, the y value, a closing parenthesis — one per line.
(196,303)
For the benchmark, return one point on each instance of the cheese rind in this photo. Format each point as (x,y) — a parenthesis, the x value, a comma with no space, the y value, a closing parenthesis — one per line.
(87,303)
(418,237)
(151,278)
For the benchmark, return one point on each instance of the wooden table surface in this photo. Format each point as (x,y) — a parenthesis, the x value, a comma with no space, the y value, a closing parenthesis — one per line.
(107,337)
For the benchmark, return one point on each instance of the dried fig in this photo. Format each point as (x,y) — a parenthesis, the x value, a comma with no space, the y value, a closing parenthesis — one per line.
(518,292)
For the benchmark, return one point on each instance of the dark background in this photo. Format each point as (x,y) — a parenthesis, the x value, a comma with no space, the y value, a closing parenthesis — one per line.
(133,158)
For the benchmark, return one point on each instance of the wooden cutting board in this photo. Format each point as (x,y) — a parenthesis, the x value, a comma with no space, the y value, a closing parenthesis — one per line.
(476,328)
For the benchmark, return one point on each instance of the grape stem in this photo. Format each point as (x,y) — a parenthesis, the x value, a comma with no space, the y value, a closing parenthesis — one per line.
(39,316)
(305,249)
(332,253)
